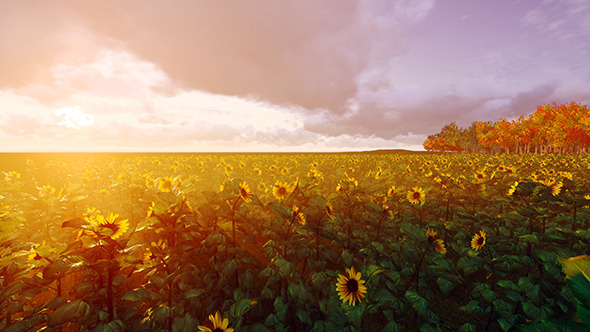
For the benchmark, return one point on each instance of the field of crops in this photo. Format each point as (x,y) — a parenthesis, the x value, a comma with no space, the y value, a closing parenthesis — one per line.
(296,242)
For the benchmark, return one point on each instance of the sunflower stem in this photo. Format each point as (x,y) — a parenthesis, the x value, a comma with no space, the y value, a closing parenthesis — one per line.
(110,308)
(419,266)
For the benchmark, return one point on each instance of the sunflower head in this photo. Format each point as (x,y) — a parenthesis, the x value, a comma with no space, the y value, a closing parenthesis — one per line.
(298,215)
(435,241)
(110,226)
(479,240)
(416,196)
(479,175)
(281,190)
(350,286)
(165,184)
(245,192)
(391,191)
(219,324)
(554,185)
(329,210)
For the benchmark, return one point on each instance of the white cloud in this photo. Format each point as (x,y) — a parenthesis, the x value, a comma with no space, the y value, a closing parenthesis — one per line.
(73,117)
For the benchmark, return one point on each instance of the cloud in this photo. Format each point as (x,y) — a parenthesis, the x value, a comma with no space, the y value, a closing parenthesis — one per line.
(306,53)
(73,117)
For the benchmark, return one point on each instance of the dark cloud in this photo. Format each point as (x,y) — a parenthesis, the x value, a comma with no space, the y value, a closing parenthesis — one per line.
(305,52)
(428,115)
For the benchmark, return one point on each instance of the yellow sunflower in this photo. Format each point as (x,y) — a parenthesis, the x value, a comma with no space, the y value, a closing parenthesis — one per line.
(391,191)
(512,189)
(416,195)
(33,254)
(281,190)
(219,324)
(298,215)
(350,286)
(479,175)
(165,184)
(329,210)
(245,192)
(554,185)
(479,240)
(435,241)
(111,226)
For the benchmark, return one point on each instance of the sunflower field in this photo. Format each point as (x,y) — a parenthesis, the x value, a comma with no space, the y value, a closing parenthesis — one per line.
(296,242)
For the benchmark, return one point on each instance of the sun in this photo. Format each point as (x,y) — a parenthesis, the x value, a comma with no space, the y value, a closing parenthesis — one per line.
(74,117)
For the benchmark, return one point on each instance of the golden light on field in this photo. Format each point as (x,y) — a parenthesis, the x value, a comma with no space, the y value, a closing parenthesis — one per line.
(73,117)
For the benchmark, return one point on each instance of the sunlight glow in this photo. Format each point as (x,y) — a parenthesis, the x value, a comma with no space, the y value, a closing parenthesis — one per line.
(74,117)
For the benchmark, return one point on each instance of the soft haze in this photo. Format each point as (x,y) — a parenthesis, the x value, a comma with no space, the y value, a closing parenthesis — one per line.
(267,75)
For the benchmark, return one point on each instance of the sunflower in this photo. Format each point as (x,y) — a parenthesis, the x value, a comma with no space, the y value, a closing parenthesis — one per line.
(435,241)
(351,287)
(391,191)
(280,190)
(479,175)
(165,184)
(111,226)
(479,240)
(33,254)
(416,195)
(298,215)
(329,210)
(512,188)
(245,192)
(554,185)
(219,324)
(387,211)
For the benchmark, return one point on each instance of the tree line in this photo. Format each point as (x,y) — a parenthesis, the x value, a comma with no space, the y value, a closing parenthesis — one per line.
(563,128)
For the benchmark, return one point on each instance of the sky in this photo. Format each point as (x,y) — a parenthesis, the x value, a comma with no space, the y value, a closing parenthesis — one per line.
(278,76)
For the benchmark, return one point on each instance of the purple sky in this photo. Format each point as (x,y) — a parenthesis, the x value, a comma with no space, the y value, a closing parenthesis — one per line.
(267,75)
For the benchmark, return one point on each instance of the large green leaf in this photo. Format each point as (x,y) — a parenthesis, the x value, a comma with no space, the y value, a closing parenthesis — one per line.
(69,312)
(578,270)
(238,309)
(417,302)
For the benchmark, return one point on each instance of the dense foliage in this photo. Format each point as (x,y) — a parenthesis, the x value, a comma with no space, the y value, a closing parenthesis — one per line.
(551,128)
(296,242)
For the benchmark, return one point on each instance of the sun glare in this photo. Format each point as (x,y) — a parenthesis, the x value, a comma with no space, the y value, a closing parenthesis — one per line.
(74,117)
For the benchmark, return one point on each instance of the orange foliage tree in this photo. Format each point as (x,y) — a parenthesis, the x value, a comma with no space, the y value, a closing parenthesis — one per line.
(551,128)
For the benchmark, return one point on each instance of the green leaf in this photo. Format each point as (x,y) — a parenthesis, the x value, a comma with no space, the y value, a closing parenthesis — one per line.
(114,326)
(238,309)
(285,267)
(69,312)
(472,307)
(576,265)
(229,267)
(530,309)
(75,223)
(184,324)
(552,324)
(303,316)
(55,303)
(194,293)
(382,295)
(160,314)
(445,285)
(372,270)
(417,302)
(530,239)
(468,327)
(140,294)
(584,313)
(281,209)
